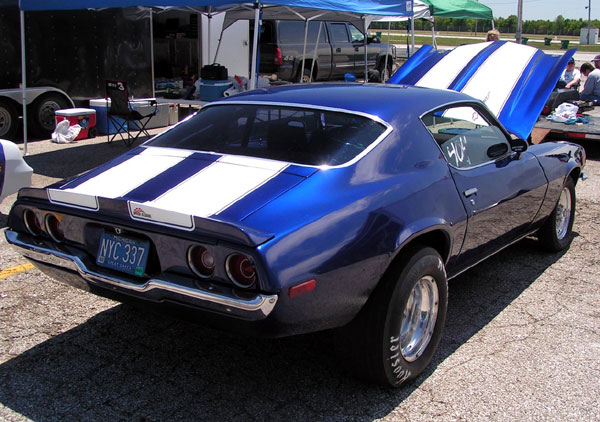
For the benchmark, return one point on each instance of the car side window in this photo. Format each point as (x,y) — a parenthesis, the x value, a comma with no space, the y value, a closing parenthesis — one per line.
(356,35)
(339,32)
(466,137)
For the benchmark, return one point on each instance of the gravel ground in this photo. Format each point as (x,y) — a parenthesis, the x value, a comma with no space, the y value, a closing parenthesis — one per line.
(522,343)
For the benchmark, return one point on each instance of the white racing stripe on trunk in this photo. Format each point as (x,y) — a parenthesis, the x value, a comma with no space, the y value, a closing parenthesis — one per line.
(496,78)
(447,69)
(120,179)
(221,184)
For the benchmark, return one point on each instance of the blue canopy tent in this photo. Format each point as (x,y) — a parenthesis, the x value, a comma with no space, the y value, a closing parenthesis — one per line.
(299,9)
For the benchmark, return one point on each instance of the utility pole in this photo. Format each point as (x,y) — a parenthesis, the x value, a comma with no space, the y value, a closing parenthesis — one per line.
(589,8)
(519,33)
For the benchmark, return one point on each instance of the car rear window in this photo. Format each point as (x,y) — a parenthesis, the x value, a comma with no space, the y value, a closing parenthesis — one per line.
(297,135)
(292,32)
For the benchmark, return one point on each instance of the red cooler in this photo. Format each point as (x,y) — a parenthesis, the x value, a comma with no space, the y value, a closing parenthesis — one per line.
(84,117)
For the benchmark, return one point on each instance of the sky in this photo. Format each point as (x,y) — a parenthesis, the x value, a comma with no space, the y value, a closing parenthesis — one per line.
(545,9)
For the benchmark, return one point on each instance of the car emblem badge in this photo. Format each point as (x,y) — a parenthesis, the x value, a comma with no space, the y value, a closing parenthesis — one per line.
(139,212)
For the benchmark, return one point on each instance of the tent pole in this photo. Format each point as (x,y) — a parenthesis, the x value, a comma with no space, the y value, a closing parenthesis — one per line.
(412,35)
(23,82)
(365,46)
(312,65)
(209,16)
(252,82)
(152,52)
(387,52)
(304,49)
(434,41)
(219,45)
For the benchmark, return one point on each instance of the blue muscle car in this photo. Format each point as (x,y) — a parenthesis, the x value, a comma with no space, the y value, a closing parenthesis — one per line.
(302,208)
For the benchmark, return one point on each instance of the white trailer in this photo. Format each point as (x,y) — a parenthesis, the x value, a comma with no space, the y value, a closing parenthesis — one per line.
(41,103)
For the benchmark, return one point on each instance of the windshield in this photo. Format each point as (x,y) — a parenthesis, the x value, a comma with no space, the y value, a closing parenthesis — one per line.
(296,135)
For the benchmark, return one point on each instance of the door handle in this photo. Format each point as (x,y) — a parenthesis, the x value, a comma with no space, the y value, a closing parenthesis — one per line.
(338,50)
(355,48)
(470,192)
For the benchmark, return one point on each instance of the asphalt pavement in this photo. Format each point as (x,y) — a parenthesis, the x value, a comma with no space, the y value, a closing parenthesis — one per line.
(522,343)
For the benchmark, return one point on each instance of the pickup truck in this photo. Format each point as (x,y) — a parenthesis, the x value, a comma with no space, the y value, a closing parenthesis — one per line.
(340,51)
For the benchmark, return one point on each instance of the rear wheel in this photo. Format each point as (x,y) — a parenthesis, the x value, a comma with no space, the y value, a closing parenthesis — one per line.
(44,109)
(305,76)
(9,120)
(555,234)
(395,336)
(385,71)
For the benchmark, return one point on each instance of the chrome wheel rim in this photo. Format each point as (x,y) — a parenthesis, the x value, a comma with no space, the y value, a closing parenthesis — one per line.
(5,121)
(46,116)
(563,214)
(418,318)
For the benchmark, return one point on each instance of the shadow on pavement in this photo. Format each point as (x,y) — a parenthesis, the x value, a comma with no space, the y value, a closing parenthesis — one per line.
(127,364)
(68,162)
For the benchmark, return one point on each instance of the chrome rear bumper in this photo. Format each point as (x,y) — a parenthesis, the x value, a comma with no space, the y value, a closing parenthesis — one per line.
(199,294)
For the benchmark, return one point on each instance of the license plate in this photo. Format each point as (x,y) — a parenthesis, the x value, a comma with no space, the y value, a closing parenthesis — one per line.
(123,254)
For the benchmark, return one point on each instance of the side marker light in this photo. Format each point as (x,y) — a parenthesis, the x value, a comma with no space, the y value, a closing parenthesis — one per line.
(302,288)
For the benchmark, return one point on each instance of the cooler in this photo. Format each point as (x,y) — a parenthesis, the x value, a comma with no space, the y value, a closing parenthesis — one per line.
(213,90)
(103,126)
(84,117)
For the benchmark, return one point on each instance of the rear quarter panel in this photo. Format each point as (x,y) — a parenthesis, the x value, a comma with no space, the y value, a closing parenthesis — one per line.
(558,160)
(344,226)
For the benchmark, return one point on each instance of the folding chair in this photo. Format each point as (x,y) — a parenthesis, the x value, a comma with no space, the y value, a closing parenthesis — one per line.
(121,114)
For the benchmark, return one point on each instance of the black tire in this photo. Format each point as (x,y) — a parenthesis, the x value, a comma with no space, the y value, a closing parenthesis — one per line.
(43,118)
(385,71)
(92,132)
(9,120)
(371,346)
(556,233)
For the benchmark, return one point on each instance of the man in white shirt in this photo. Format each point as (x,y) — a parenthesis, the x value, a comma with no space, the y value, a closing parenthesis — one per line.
(570,77)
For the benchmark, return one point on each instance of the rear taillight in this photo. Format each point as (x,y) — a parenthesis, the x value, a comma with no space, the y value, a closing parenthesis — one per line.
(201,261)
(54,228)
(240,270)
(32,222)
(278,59)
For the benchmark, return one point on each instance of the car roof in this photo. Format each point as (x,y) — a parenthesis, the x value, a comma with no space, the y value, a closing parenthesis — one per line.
(388,102)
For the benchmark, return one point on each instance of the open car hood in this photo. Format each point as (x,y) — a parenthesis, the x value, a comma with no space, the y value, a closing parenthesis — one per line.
(513,80)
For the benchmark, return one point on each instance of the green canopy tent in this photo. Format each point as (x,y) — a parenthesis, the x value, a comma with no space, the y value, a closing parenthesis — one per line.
(460,9)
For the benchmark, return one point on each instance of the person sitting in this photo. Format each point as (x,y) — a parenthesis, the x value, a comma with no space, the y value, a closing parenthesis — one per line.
(591,88)
(493,35)
(570,77)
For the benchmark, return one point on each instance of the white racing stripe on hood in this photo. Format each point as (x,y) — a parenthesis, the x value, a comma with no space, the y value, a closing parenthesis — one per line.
(213,189)
(447,69)
(120,179)
(494,81)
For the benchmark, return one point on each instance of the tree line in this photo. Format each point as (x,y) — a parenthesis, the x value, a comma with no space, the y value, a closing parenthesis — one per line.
(560,25)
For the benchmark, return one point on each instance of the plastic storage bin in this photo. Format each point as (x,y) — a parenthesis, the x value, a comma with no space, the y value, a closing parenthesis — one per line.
(213,90)
(84,117)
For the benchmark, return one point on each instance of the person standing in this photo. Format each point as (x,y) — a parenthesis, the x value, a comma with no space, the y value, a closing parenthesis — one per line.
(596,61)
(591,88)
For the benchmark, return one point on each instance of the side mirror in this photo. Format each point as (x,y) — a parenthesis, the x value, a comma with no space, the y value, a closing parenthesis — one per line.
(519,146)
(497,150)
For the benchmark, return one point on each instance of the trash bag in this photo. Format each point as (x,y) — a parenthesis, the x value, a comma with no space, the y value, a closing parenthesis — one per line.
(564,112)
(65,134)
